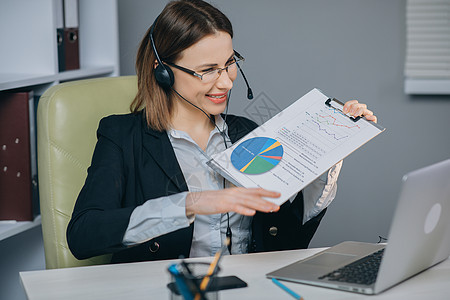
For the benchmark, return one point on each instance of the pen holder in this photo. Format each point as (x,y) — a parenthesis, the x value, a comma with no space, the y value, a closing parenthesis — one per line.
(185,280)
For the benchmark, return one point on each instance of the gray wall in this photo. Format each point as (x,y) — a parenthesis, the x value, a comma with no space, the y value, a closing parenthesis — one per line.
(351,49)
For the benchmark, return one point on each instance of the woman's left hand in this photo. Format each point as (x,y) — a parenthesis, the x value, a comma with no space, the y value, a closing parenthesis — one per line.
(355,109)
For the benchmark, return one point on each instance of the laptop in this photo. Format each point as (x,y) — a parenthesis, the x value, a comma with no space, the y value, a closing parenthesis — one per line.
(419,238)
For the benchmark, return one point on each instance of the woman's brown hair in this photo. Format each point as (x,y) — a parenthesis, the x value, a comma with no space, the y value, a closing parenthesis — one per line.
(181,24)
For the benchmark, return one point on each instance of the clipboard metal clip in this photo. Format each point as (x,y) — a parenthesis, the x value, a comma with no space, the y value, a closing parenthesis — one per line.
(339,106)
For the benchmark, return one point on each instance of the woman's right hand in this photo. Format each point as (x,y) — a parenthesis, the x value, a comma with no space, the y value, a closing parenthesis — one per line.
(244,201)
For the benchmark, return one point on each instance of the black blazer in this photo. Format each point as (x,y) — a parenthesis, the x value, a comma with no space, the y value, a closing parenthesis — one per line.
(132,164)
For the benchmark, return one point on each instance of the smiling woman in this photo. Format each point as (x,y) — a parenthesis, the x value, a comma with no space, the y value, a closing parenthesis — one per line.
(149,183)
(212,53)
(195,20)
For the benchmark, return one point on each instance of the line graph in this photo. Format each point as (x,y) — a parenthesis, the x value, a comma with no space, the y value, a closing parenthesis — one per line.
(319,130)
(326,122)
(327,117)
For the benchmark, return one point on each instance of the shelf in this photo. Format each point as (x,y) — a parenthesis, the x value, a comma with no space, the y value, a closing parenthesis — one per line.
(11,228)
(33,61)
(29,56)
(15,80)
(427,86)
(85,73)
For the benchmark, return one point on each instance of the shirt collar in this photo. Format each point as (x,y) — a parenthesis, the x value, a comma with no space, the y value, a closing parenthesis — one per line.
(219,122)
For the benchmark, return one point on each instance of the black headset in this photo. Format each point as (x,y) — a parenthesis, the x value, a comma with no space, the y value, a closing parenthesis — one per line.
(163,74)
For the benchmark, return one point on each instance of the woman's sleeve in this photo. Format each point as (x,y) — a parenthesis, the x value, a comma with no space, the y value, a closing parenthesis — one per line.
(157,217)
(320,193)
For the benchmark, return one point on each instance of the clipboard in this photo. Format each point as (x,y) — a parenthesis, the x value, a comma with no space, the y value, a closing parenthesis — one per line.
(339,106)
(295,147)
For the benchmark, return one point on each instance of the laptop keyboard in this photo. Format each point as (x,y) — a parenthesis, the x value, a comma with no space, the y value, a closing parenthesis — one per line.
(363,271)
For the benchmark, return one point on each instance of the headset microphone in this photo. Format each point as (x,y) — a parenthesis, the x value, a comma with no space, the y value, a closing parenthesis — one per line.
(249,89)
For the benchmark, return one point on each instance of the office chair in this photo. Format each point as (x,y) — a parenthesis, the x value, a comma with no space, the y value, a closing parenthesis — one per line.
(67,120)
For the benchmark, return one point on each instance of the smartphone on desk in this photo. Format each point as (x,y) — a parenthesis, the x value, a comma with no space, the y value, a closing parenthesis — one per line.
(217,284)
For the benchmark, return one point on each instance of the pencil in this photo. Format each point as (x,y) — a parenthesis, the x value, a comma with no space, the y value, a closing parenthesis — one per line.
(212,268)
(193,280)
(287,290)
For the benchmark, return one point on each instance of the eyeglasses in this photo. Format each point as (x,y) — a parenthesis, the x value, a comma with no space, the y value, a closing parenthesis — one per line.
(213,74)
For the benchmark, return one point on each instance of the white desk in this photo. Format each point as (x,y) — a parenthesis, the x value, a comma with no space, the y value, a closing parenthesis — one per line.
(148,281)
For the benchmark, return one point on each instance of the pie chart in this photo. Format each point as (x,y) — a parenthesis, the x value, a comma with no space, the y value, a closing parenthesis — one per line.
(257,155)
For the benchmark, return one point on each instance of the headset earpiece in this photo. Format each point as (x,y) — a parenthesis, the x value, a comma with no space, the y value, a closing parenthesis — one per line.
(163,74)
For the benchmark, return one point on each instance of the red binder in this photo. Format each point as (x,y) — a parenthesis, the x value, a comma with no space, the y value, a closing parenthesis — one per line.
(71,37)
(71,49)
(15,157)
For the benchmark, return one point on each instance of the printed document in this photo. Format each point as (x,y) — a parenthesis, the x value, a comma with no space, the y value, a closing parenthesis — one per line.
(294,147)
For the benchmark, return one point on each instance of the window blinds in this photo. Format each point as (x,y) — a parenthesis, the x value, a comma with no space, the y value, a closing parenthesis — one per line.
(427,65)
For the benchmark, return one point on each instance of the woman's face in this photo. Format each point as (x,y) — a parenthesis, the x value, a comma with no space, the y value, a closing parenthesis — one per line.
(212,51)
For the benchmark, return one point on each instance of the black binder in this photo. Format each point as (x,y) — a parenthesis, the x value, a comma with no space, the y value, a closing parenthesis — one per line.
(60,35)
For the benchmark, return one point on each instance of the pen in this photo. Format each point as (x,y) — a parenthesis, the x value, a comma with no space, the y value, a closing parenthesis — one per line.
(287,290)
(180,282)
(212,268)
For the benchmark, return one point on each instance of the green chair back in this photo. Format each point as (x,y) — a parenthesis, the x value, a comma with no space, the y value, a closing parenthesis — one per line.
(67,120)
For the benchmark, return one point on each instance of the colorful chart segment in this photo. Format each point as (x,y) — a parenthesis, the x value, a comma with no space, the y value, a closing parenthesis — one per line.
(257,155)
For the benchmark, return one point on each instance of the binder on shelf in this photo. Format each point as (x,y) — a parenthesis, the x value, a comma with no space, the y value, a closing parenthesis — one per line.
(36,208)
(71,37)
(17,136)
(60,35)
